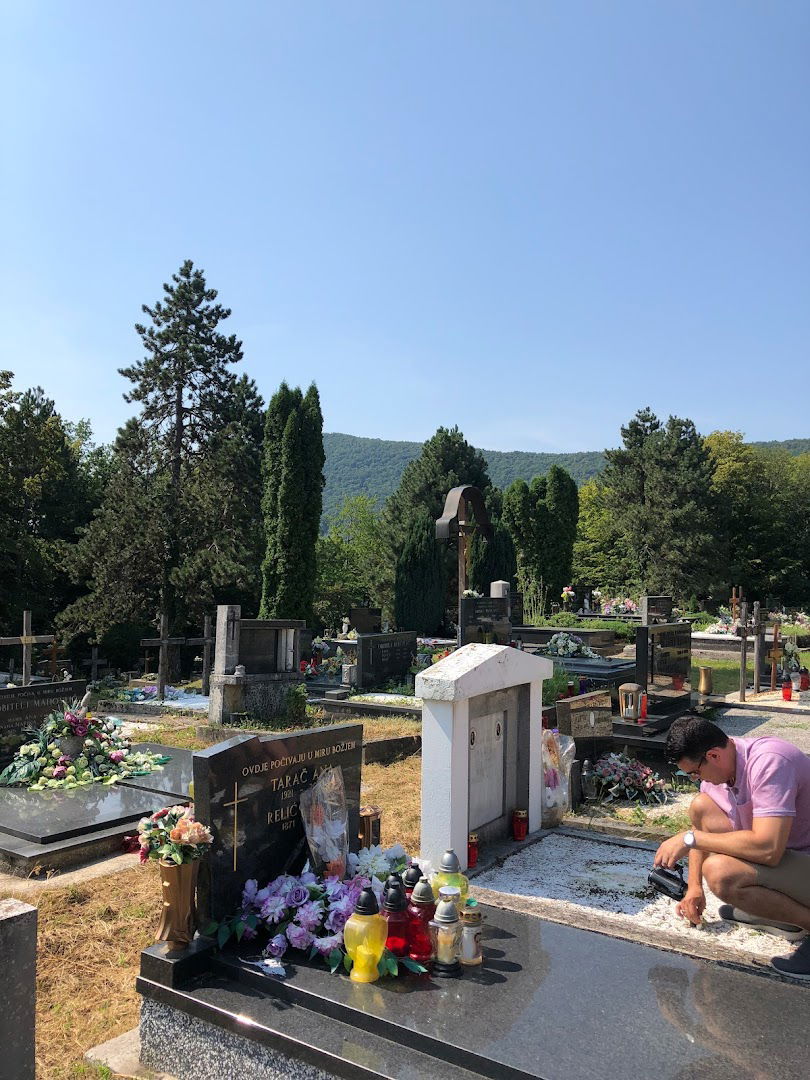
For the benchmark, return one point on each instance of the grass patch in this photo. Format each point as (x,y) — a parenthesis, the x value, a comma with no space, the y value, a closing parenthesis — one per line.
(184,738)
(89,945)
(726,673)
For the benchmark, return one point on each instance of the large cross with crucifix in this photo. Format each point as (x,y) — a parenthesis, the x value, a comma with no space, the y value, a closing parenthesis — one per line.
(235,804)
(207,640)
(163,642)
(455,523)
(27,639)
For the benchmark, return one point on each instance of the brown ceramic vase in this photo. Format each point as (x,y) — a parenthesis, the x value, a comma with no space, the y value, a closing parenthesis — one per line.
(178,916)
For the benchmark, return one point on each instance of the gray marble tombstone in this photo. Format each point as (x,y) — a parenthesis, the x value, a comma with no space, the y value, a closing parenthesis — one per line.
(256,664)
(18,949)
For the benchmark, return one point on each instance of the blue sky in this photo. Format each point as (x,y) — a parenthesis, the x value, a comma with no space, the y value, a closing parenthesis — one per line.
(526,218)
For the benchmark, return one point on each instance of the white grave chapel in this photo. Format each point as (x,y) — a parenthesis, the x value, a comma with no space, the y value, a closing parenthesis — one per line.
(481,745)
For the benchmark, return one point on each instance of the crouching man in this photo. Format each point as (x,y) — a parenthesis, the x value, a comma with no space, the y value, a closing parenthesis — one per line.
(750,835)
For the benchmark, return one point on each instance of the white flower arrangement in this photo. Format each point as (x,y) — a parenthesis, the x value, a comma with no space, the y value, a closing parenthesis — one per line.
(564,644)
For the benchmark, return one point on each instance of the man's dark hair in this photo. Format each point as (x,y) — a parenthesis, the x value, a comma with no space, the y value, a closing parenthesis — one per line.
(691,737)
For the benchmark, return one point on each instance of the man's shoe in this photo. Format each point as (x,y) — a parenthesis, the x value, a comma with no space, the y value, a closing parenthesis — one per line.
(796,966)
(783,930)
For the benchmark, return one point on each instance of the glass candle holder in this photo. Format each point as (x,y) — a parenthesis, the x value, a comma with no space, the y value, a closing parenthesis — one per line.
(364,938)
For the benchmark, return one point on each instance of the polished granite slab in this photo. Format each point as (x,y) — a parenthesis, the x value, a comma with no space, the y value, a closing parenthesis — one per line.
(550,1001)
(44,817)
(171,779)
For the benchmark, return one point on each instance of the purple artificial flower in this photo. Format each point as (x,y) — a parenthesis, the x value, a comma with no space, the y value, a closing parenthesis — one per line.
(273,909)
(65,759)
(298,895)
(249,891)
(308,878)
(309,915)
(282,885)
(325,945)
(339,912)
(333,887)
(298,937)
(60,772)
(276,946)
(117,756)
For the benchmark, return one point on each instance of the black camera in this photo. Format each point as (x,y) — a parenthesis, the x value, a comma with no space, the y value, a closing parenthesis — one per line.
(668,882)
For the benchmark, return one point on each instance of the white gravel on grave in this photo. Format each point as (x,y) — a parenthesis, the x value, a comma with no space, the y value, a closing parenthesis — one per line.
(611,880)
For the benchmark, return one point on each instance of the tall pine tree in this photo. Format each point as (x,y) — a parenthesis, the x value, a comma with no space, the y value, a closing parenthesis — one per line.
(659,492)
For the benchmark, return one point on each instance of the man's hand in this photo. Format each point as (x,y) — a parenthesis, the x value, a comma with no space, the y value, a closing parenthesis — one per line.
(671,851)
(692,906)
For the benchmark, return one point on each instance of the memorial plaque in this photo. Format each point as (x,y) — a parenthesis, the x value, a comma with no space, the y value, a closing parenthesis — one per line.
(248,791)
(384,656)
(25,707)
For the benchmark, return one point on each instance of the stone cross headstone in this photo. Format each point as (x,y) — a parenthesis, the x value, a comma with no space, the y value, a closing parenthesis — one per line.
(248,790)
(27,639)
(256,664)
(94,663)
(481,736)
(163,642)
(207,640)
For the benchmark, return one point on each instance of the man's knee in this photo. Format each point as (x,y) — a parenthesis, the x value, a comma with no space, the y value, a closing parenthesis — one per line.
(724,875)
(705,814)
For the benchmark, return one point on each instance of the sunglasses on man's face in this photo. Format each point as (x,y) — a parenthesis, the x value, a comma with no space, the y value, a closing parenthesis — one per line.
(693,774)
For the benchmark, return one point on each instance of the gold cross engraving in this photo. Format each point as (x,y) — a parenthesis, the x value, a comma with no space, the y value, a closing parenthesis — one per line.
(235,805)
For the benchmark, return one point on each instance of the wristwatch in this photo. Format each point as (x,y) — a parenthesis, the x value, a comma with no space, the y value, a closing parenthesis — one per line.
(689,839)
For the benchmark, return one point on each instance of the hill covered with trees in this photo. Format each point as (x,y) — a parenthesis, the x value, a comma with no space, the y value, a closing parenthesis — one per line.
(361,466)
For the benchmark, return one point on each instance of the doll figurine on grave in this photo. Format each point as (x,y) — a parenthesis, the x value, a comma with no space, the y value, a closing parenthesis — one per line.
(326,822)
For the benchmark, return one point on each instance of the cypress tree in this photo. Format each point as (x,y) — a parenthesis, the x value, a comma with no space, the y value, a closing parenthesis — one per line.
(284,402)
(419,584)
(292,502)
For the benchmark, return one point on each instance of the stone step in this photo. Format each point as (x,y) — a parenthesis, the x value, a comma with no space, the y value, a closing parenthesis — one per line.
(223,1031)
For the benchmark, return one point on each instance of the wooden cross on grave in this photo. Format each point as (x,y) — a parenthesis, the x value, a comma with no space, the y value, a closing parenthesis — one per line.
(207,640)
(94,663)
(27,639)
(775,655)
(163,642)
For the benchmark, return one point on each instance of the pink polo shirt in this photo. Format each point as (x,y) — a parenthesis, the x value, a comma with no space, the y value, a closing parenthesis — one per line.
(773,780)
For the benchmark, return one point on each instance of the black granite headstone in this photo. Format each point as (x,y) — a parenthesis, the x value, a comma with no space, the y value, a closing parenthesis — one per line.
(248,789)
(663,666)
(25,707)
(384,656)
(366,620)
(655,609)
(485,619)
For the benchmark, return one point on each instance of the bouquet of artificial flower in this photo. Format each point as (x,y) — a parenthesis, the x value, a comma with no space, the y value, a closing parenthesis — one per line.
(173,834)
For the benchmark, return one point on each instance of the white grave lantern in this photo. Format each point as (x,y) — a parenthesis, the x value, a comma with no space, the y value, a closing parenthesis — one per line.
(481,736)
